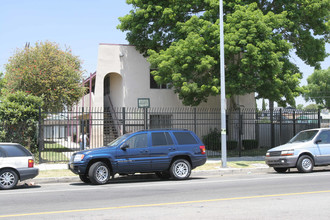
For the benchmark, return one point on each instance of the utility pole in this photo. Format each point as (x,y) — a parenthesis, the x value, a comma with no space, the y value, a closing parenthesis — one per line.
(223,91)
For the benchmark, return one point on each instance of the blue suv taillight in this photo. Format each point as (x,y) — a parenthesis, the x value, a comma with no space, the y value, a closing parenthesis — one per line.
(202,148)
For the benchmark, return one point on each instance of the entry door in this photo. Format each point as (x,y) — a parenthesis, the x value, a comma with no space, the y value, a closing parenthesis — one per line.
(136,157)
(324,147)
(161,146)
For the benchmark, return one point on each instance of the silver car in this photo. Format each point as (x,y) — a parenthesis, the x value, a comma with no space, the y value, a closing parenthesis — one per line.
(307,149)
(16,163)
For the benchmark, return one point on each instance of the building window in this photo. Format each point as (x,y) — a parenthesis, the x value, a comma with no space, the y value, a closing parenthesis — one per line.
(160,121)
(154,85)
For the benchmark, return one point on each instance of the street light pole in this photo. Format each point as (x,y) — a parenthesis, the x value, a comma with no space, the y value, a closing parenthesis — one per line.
(222,91)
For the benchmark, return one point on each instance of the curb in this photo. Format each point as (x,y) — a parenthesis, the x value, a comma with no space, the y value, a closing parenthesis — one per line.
(232,171)
(219,172)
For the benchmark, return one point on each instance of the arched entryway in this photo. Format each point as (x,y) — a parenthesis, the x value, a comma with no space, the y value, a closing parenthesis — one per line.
(113,98)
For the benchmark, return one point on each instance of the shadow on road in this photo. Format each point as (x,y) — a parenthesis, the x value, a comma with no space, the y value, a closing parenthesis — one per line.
(138,178)
(294,170)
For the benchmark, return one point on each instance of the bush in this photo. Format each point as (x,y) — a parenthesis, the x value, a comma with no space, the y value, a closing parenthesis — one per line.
(250,144)
(232,145)
(19,114)
(212,141)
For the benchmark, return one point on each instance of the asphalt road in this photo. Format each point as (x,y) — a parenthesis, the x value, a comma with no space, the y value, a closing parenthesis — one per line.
(254,196)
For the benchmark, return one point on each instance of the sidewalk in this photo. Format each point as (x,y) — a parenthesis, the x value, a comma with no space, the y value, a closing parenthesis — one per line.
(217,171)
(51,166)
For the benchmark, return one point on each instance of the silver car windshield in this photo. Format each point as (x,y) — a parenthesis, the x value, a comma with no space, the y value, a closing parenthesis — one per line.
(304,136)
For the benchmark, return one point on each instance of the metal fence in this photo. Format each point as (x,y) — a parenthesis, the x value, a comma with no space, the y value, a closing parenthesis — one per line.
(250,132)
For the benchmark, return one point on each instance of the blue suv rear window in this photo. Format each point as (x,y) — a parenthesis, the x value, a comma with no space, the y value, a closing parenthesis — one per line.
(161,139)
(184,138)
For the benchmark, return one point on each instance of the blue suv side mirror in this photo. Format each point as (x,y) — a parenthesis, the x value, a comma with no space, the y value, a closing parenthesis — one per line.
(124,147)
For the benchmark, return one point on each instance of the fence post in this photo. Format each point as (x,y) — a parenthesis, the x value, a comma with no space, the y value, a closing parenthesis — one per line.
(240,132)
(82,144)
(280,126)
(195,120)
(124,120)
(294,122)
(145,118)
(272,127)
(257,127)
(40,136)
(319,118)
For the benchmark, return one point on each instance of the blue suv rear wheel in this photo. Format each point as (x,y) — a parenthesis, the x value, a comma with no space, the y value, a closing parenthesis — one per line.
(180,169)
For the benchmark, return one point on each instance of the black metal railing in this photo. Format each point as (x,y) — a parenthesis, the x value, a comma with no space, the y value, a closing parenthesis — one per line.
(250,132)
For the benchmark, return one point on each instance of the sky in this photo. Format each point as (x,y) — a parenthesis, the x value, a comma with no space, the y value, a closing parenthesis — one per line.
(78,24)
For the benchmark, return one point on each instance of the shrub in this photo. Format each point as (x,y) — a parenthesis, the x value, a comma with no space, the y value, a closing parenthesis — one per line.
(232,145)
(212,141)
(250,144)
(19,114)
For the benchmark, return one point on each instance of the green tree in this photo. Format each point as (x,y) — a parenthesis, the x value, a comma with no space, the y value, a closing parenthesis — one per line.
(19,114)
(181,38)
(318,88)
(46,71)
(311,107)
(264,105)
(300,107)
(2,82)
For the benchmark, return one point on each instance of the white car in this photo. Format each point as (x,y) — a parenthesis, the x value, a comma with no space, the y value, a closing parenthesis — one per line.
(307,149)
(16,163)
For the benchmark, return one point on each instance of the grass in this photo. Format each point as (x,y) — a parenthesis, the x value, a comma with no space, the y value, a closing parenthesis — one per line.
(232,164)
(55,173)
(56,147)
(53,156)
(54,152)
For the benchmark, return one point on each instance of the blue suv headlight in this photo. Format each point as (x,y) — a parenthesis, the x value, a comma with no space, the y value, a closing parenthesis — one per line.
(78,157)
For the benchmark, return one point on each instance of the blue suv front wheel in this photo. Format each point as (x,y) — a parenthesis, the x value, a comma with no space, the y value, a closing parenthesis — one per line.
(99,173)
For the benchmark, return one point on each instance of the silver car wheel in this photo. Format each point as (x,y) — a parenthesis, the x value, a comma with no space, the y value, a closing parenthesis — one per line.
(102,173)
(306,164)
(8,179)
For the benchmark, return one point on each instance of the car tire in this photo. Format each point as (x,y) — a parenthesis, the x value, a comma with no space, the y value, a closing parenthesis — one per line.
(180,169)
(165,175)
(84,178)
(280,169)
(305,164)
(8,179)
(99,173)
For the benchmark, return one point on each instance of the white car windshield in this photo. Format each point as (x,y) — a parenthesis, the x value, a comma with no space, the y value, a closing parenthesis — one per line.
(304,136)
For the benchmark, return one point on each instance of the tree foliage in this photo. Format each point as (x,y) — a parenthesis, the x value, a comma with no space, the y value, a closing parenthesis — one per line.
(2,82)
(318,88)
(19,114)
(181,38)
(48,72)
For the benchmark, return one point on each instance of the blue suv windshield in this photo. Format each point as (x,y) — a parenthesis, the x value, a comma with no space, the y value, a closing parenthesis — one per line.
(118,140)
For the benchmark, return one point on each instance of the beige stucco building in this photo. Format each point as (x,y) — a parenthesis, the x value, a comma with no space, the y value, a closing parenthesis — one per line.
(121,79)
(123,76)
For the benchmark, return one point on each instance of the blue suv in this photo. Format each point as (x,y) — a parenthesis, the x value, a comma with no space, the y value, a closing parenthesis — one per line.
(168,153)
